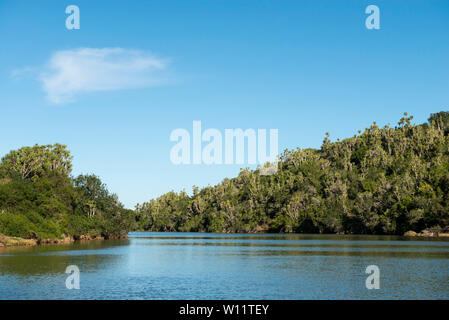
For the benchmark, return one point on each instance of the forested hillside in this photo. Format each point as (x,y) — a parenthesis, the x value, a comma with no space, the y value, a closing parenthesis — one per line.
(40,200)
(382,181)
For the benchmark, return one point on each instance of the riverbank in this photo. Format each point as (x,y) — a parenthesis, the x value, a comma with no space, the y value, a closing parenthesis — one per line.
(6,241)
(426,233)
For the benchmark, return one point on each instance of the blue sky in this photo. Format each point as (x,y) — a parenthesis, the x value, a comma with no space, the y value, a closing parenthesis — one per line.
(302,67)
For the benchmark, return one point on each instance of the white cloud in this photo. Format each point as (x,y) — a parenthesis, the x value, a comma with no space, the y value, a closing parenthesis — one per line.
(73,72)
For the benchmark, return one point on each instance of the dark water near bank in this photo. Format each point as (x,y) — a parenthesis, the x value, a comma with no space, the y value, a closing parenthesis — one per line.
(230,266)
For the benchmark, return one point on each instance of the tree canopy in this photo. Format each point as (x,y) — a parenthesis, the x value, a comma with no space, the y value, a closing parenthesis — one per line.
(39,199)
(385,180)
(28,162)
(381,181)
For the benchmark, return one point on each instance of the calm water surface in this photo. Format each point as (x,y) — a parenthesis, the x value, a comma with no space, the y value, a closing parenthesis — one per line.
(230,266)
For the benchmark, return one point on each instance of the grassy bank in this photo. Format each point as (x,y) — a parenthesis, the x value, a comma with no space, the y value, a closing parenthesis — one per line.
(6,241)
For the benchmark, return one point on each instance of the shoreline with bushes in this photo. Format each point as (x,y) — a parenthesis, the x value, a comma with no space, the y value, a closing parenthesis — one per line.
(40,199)
(383,181)
(6,241)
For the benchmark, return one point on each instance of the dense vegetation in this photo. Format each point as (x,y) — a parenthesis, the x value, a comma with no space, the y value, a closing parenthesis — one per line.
(382,181)
(40,200)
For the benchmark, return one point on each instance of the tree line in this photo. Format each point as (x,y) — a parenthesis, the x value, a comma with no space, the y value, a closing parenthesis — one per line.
(39,199)
(381,181)
(386,180)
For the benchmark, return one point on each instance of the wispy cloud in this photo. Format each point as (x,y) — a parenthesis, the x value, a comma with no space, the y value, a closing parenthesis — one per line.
(22,72)
(69,73)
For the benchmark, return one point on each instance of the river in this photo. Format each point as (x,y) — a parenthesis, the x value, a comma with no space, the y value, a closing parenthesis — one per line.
(151,265)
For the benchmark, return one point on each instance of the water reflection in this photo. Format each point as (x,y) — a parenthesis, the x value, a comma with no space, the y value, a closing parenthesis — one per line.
(230,266)
(53,259)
